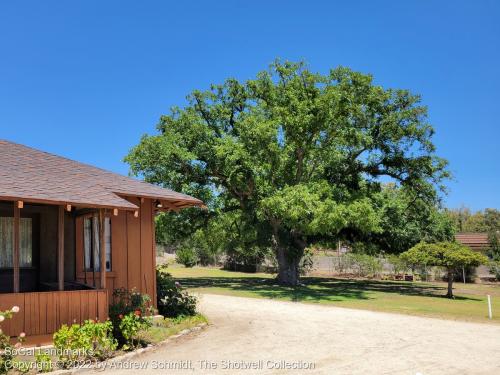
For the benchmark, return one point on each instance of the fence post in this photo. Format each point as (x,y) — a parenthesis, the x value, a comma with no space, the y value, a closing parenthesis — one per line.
(490,315)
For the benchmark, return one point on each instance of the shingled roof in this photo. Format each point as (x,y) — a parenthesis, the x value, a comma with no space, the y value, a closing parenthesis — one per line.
(476,241)
(40,177)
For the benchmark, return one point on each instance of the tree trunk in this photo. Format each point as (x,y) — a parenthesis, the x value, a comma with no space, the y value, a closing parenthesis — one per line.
(450,284)
(288,248)
(288,268)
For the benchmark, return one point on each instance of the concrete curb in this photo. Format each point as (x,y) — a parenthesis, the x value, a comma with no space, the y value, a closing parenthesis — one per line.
(101,366)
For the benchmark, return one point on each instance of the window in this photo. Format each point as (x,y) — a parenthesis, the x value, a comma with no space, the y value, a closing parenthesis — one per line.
(92,243)
(7,242)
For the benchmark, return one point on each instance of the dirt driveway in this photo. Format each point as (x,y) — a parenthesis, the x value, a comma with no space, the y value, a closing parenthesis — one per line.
(288,338)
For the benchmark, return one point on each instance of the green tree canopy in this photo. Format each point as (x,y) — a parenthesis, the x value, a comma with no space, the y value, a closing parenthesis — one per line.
(405,220)
(295,152)
(486,221)
(450,255)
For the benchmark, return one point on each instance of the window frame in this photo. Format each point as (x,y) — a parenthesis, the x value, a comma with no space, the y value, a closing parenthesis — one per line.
(92,217)
(30,240)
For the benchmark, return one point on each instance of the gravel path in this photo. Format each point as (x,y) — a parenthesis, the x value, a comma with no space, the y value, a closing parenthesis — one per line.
(333,340)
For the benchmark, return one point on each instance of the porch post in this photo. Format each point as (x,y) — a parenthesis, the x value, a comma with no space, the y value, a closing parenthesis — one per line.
(15,255)
(102,248)
(60,249)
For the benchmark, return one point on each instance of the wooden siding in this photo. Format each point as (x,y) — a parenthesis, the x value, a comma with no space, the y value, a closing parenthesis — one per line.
(133,258)
(42,313)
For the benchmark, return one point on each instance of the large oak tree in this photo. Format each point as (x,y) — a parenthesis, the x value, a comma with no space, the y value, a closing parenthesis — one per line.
(297,154)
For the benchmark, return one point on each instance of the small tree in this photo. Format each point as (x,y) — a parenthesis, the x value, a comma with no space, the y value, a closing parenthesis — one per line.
(450,255)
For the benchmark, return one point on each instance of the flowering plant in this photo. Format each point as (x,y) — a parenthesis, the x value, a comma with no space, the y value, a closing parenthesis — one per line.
(6,356)
(91,340)
(126,302)
(130,326)
(173,300)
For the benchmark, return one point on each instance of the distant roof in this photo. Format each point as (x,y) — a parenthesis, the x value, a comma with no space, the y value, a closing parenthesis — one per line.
(40,177)
(476,241)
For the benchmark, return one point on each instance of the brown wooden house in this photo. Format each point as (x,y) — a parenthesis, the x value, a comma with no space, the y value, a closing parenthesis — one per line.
(70,234)
(475,241)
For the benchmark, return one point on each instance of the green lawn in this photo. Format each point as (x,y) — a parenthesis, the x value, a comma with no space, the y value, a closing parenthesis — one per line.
(162,330)
(391,296)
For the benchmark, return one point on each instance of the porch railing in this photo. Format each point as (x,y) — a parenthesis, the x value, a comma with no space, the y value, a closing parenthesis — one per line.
(42,313)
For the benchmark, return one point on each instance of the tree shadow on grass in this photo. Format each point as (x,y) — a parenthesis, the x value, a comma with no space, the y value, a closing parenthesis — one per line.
(316,289)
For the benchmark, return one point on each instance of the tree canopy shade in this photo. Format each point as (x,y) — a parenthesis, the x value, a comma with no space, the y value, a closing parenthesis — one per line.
(450,255)
(295,153)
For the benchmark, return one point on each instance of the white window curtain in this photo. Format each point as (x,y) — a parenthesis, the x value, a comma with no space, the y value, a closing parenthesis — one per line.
(87,236)
(107,239)
(25,242)
(7,242)
(92,243)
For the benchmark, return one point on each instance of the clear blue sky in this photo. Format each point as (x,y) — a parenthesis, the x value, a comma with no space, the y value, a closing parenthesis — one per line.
(85,79)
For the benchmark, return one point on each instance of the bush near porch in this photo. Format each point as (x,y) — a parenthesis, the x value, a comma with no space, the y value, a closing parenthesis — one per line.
(130,326)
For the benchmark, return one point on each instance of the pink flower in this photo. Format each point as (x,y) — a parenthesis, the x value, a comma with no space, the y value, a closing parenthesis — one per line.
(177,284)
(15,309)
(22,335)
(120,316)
(18,345)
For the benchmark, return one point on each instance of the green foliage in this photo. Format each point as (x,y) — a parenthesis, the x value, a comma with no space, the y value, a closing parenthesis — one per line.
(307,263)
(186,255)
(293,154)
(43,362)
(6,347)
(494,240)
(487,221)
(173,301)
(398,264)
(91,340)
(364,265)
(208,242)
(163,329)
(494,267)
(450,255)
(405,220)
(5,357)
(130,326)
(124,303)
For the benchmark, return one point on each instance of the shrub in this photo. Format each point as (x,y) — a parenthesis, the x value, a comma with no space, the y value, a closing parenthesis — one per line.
(6,356)
(130,326)
(186,256)
(172,300)
(91,340)
(124,303)
(494,267)
(306,264)
(244,258)
(343,263)
(43,362)
(470,274)
(398,265)
(364,265)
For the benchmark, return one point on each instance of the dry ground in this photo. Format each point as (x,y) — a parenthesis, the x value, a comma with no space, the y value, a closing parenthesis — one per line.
(337,340)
